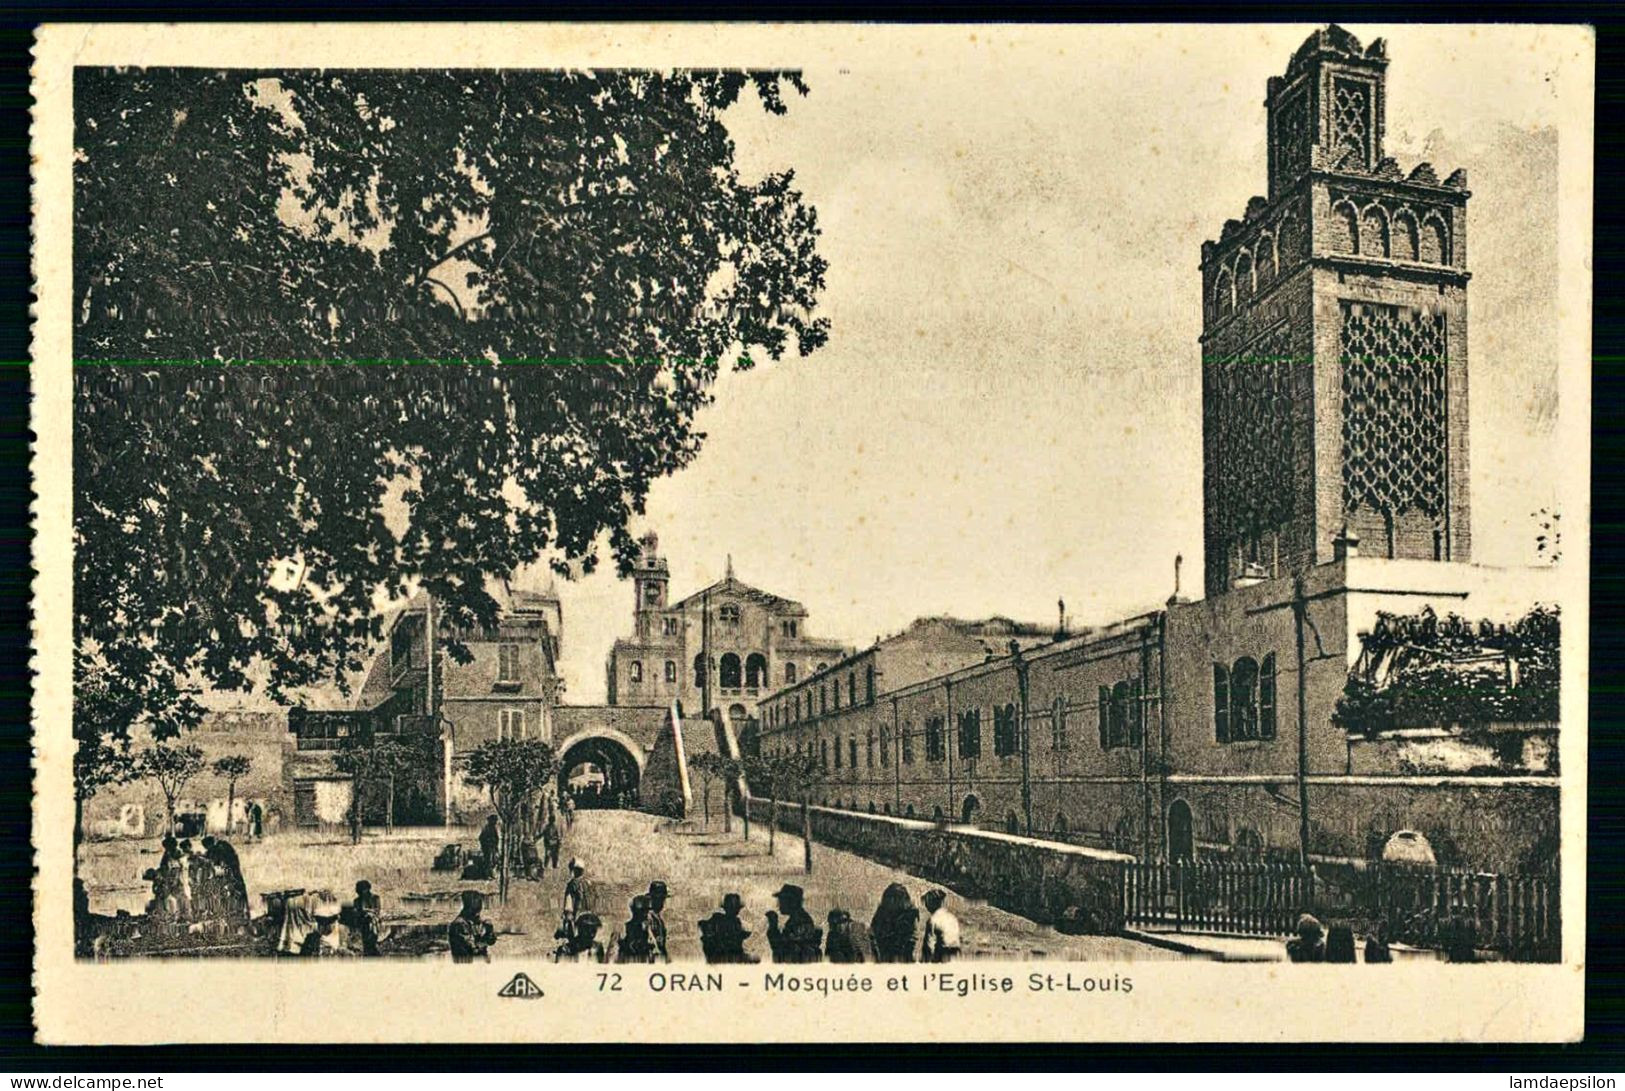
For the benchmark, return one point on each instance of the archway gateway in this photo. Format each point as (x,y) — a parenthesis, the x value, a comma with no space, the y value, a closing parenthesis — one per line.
(599,772)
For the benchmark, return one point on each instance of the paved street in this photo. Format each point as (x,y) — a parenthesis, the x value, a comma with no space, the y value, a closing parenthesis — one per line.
(622,851)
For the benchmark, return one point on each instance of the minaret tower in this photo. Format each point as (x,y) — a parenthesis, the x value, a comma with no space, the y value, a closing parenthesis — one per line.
(1334,339)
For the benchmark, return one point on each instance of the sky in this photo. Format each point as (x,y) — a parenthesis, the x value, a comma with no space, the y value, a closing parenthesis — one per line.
(1008,411)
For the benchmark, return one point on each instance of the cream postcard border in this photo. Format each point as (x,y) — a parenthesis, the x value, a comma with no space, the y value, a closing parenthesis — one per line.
(187,1001)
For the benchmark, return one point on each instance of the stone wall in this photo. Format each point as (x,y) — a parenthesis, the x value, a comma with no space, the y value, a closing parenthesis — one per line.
(1038,879)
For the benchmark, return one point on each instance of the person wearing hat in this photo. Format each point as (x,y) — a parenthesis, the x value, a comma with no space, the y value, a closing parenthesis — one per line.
(470,934)
(848,940)
(636,945)
(941,929)
(367,911)
(1310,942)
(327,939)
(657,922)
(582,944)
(723,934)
(798,939)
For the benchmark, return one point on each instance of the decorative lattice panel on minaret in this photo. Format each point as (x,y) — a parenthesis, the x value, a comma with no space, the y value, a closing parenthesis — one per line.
(1292,137)
(1351,118)
(1394,409)
(1255,432)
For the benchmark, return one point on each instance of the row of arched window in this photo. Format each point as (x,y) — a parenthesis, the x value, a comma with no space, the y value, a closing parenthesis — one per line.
(1255,267)
(1370,231)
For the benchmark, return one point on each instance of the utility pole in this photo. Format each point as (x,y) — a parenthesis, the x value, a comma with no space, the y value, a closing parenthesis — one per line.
(1026,747)
(430,709)
(1300,607)
(705,654)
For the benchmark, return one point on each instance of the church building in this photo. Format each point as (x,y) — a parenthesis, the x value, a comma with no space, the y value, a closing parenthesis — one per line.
(722,647)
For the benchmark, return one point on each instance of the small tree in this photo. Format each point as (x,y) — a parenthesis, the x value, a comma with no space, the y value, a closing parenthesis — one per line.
(514,772)
(769,775)
(801,773)
(733,774)
(231,769)
(708,766)
(97,764)
(172,767)
(368,759)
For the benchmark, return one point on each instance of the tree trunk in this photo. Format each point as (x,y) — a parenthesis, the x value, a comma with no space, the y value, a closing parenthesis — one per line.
(744,810)
(772,823)
(231,806)
(169,810)
(503,852)
(707,804)
(806,835)
(355,811)
(727,810)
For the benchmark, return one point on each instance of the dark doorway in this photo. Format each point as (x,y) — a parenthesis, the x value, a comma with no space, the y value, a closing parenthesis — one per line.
(969,811)
(1181,845)
(599,773)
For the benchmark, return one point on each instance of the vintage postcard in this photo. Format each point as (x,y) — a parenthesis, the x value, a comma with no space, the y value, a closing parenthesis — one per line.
(695,533)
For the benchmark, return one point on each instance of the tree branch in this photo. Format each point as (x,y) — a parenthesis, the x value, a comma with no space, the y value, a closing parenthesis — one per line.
(448,255)
(449,294)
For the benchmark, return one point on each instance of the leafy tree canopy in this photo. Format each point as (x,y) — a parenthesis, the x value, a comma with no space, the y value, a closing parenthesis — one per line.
(458,322)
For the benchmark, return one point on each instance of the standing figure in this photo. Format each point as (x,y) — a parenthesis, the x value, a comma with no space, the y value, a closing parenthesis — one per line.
(657,922)
(723,934)
(1376,946)
(798,939)
(578,898)
(582,944)
(230,875)
(1340,944)
(367,910)
(551,840)
(1310,944)
(568,806)
(470,934)
(491,846)
(197,880)
(848,941)
(941,929)
(895,925)
(635,944)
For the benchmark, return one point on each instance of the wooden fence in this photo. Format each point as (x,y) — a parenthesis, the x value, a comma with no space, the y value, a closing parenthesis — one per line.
(1517,915)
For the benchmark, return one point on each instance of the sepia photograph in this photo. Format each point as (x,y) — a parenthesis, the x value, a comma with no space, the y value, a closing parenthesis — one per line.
(980,504)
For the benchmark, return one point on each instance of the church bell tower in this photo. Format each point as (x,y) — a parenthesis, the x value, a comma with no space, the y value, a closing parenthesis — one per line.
(650,576)
(1334,339)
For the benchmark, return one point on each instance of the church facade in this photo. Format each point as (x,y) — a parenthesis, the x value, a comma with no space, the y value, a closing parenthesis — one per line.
(722,647)
(1336,506)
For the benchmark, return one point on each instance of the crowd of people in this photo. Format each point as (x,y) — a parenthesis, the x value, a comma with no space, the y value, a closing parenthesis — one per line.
(894,933)
(189,886)
(1315,942)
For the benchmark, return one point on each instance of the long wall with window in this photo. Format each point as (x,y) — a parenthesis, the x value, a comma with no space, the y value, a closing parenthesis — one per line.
(950,748)
(1172,733)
